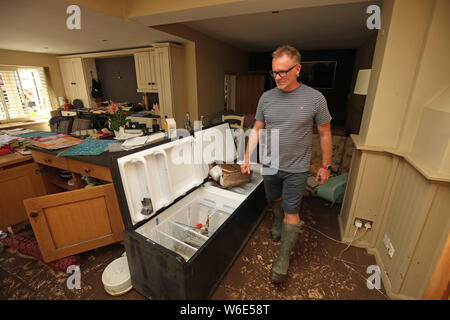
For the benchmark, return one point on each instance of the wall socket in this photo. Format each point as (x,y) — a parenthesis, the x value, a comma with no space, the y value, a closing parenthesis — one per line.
(363,221)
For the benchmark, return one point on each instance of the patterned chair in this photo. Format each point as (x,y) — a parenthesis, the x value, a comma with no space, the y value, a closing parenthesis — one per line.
(236,122)
(340,163)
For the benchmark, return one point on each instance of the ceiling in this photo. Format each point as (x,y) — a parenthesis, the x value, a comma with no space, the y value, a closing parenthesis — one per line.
(40,26)
(314,28)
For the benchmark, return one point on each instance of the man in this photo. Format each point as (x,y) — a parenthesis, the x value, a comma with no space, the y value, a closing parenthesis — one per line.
(292,108)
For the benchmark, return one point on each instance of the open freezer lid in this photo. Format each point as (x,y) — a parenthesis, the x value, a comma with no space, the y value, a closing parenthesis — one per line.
(154,177)
(216,144)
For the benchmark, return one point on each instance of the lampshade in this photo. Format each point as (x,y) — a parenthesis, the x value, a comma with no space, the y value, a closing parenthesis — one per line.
(362,81)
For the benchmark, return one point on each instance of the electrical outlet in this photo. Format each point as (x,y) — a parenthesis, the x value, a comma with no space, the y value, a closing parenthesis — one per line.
(364,223)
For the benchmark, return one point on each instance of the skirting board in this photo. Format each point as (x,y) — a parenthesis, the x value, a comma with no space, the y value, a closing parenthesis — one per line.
(385,278)
(379,262)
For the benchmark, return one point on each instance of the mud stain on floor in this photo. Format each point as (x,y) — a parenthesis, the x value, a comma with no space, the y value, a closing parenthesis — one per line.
(23,277)
(315,271)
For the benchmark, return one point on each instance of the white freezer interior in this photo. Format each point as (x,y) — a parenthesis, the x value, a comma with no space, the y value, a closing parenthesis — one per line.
(177,228)
(159,176)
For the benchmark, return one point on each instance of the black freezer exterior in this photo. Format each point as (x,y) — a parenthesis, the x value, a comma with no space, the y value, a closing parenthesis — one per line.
(160,273)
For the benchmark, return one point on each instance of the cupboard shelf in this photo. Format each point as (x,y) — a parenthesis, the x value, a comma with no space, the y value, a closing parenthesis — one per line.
(74,220)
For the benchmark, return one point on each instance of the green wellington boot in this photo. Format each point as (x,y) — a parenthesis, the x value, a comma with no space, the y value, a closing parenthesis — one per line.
(289,235)
(278,216)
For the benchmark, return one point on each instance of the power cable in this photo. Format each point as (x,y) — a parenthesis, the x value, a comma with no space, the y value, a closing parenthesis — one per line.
(340,254)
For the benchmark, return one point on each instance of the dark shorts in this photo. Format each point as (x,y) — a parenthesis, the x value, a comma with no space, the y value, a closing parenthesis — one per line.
(290,186)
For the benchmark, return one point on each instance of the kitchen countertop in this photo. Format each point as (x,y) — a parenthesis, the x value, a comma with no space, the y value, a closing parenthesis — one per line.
(104,159)
(12,158)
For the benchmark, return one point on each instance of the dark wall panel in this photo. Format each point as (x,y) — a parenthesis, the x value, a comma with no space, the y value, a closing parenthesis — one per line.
(337,96)
(118,79)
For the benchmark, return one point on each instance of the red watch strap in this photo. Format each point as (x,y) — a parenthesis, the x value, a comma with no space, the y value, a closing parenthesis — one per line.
(325,167)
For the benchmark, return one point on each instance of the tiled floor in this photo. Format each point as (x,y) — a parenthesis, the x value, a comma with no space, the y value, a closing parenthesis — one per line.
(316,272)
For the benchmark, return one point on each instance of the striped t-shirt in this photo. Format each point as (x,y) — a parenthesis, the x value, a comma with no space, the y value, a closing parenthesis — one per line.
(294,114)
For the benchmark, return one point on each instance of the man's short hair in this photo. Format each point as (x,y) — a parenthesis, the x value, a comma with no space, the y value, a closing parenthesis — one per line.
(289,51)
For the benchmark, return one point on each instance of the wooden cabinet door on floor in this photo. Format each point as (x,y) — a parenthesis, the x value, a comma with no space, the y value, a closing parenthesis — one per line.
(16,184)
(72,222)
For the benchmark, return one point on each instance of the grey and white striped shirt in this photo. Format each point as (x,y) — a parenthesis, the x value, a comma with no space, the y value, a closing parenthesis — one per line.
(294,114)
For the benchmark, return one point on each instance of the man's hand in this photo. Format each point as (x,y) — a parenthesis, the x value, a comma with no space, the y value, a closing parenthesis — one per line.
(252,143)
(322,175)
(245,167)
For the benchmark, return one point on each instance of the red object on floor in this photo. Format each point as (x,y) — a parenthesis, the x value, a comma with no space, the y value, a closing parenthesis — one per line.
(5,149)
(30,247)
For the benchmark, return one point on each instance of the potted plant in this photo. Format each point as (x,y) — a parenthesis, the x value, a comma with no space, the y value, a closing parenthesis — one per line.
(117,118)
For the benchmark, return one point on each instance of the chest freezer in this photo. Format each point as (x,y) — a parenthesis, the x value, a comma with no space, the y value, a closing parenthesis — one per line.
(182,233)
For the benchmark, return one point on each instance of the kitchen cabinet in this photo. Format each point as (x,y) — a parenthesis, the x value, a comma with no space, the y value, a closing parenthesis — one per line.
(73,219)
(77,74)
(161,70)
(182,232)
(165,76)
(19,179)
(172,87)
(146,70)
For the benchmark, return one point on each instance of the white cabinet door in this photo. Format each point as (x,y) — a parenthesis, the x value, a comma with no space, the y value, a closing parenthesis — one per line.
(74,81)
(145,71)
(67,77)
(164,79)
(80,89)
(142,63)
(154,66)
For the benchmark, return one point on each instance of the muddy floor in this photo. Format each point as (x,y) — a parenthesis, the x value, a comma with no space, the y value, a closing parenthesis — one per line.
(317,270)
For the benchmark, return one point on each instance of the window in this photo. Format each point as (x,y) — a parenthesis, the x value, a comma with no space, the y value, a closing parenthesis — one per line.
(24,94)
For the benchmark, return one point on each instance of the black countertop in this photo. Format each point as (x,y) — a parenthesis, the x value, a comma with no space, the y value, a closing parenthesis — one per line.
(105,159)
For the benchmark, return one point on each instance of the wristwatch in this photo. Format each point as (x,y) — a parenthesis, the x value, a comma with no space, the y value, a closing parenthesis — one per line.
(326,167)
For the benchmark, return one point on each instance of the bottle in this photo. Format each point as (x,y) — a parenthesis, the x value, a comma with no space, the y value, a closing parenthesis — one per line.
(153,109)
(187,123)
(198,124)
(166,128)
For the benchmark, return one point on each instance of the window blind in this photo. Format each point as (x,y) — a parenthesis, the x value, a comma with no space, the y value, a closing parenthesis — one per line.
(24,93)
(46,96)
(2,111)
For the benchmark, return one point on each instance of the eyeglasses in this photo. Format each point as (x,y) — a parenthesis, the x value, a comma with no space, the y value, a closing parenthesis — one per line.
(282,73)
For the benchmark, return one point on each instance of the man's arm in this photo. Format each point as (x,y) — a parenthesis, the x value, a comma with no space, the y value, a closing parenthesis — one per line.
(326,145)
(253,140)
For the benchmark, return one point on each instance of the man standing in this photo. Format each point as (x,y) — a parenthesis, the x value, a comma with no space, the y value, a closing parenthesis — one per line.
(292,108)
